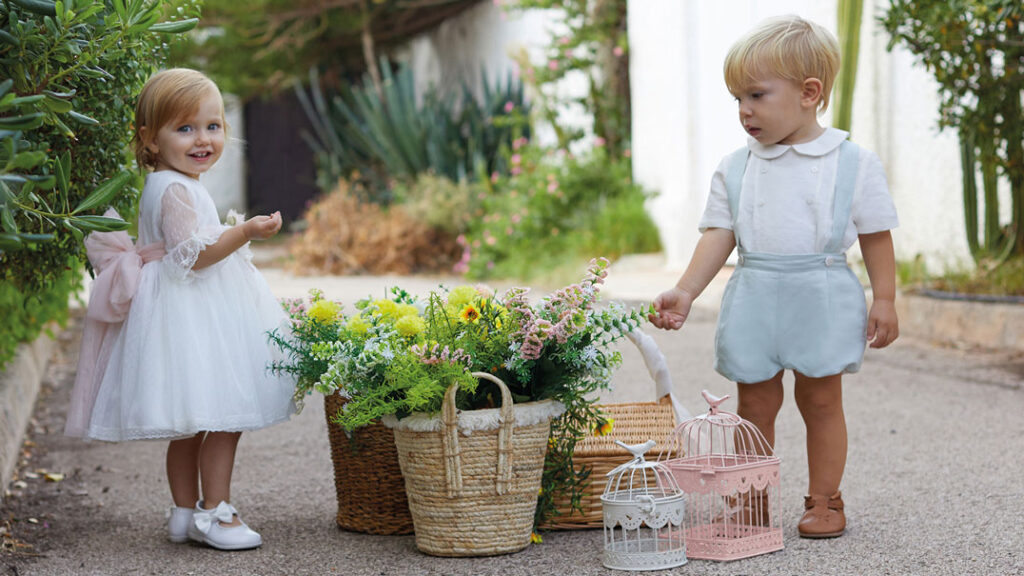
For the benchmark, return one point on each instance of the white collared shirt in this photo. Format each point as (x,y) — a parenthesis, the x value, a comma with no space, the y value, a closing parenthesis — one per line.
(786,202)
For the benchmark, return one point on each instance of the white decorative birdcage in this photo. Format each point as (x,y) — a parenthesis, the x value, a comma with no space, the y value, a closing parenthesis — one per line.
(730,476)
(643,512)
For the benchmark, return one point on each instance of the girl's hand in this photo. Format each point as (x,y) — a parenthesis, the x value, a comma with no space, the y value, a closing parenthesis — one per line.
(672,307)
(262,227)
(883,326)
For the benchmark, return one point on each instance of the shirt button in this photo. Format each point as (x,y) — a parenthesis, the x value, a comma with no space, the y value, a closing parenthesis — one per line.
(814,168)
(829,261)
(761,203)
(810,201)
(764,169)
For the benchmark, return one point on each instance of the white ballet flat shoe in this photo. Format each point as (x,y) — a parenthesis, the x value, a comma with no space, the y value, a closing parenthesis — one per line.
(178,521)
(206,528)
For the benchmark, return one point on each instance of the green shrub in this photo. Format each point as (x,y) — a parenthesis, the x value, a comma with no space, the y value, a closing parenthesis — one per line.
(555,210)
(72,71)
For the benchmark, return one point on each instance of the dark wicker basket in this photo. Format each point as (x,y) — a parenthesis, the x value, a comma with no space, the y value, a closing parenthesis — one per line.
(367,477)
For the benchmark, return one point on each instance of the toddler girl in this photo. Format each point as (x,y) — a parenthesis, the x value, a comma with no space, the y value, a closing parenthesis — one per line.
(793,201)
(189,361)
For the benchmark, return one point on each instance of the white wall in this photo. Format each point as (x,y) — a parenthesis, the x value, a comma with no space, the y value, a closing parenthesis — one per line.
(488,38)
(685,121)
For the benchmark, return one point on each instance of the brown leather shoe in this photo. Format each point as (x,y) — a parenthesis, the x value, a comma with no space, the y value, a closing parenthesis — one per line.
(823,516)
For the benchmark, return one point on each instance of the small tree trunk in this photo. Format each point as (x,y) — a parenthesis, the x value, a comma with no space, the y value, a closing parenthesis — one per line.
(369,52)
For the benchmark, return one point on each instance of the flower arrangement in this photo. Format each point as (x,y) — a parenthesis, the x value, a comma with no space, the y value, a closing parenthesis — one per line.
(398,355)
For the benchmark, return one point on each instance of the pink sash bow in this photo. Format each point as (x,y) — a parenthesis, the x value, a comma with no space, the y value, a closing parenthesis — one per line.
(118,265)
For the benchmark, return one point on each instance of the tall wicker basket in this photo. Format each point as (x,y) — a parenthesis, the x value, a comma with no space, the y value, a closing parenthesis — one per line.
(472,477)
(635,423)
(367,478)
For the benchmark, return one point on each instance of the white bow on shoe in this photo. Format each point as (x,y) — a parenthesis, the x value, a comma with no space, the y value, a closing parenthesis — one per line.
(206,527)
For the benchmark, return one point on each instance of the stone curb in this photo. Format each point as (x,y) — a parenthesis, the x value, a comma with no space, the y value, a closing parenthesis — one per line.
(19,385)
(961,323)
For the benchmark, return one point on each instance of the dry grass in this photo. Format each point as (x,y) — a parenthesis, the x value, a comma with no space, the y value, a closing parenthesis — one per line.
(348,236)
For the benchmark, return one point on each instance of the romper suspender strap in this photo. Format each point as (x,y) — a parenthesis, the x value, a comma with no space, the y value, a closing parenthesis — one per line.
(846,179)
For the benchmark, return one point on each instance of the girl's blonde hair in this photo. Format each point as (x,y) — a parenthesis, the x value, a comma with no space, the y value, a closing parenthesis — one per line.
(787,47)
(167,96)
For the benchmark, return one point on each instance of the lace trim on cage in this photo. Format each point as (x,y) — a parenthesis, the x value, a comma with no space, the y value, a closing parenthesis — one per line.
(633,519)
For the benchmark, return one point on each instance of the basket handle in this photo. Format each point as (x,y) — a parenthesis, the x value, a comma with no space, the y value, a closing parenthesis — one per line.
(658,369)
(450,438)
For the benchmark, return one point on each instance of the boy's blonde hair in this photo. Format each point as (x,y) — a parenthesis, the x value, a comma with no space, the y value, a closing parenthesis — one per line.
(787,47)
(167,96)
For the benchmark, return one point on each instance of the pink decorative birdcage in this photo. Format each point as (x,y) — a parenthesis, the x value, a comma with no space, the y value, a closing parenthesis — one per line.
(730,476)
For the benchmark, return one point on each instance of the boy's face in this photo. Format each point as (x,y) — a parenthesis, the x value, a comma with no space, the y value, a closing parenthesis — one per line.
(193,143)
(776,111)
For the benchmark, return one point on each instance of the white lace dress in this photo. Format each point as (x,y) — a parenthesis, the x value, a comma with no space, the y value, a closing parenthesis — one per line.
(193,353)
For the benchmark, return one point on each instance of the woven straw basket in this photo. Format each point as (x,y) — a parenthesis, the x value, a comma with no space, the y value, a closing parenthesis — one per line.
(472,477)
(367,477)
(635,423)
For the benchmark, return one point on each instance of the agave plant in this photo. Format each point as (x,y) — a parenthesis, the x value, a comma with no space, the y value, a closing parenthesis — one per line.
(375,137)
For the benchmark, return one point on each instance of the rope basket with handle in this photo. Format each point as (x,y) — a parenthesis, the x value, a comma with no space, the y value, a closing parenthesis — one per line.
(367,478)
(635,423)
(472,476)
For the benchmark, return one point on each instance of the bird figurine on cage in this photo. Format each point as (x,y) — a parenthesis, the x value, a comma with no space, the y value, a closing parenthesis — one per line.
(730,476)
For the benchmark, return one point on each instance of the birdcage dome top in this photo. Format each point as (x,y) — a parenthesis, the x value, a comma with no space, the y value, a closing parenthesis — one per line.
(639,478)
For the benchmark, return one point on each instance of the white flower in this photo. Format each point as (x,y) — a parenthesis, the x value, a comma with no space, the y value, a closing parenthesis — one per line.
(234,218)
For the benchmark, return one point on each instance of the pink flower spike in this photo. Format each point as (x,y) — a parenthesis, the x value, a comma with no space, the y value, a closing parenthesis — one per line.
(563,40)
(461,240)
(516,159)
(627,153)
(494,178)
(516,170)
(509,107)
(599,142)
(618,51)
(552,64)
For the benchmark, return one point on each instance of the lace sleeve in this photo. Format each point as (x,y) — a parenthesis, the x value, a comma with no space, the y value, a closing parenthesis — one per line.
(183,236)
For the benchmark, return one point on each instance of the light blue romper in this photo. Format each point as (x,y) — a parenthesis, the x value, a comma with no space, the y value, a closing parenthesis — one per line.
(802,312)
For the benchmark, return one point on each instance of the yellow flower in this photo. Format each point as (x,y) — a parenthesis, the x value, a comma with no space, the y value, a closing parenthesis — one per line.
(324,311)
(469,314)
(357,325)
(403,310)
(386,308)
(605,428)
(535,538)
(461,295)
(410,325)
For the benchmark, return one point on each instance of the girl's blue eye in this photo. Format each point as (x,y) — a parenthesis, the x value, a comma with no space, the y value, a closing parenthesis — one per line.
(184,129)
(756,95)
(213,126)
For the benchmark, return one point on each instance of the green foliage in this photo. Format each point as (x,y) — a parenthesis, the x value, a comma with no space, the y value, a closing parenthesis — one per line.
(73,68)
(375,138)
(848,17)
(974,50)
(26,315)
(597,47)
(553,209)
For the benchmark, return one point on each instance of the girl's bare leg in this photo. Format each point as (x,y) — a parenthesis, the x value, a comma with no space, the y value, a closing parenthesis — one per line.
(183,470)
(216,463)
(760,403)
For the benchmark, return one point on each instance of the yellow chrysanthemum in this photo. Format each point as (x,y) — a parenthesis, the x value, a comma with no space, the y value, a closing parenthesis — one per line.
(469,314)
(605,428)
(386,308)
(410,325)
(357,325)
(403,310)
(535,538)
(462,295)
(324,311)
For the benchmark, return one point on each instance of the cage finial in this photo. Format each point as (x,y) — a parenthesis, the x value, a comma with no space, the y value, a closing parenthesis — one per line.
(713,401)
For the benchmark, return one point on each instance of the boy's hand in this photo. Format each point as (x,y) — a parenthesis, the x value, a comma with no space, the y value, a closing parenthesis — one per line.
(262,227)
(672,307)
(883,326)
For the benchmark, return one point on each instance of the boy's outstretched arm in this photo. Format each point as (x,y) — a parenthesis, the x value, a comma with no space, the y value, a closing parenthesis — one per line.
(879,259)
(672,306)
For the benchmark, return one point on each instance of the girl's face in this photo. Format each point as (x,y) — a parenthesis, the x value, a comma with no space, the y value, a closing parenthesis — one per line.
(193,143)
(777,111)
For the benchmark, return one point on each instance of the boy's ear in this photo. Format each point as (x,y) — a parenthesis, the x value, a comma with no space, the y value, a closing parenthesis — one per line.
(811,92)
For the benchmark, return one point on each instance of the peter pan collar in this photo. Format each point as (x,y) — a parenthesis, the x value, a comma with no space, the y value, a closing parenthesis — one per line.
(829,140)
